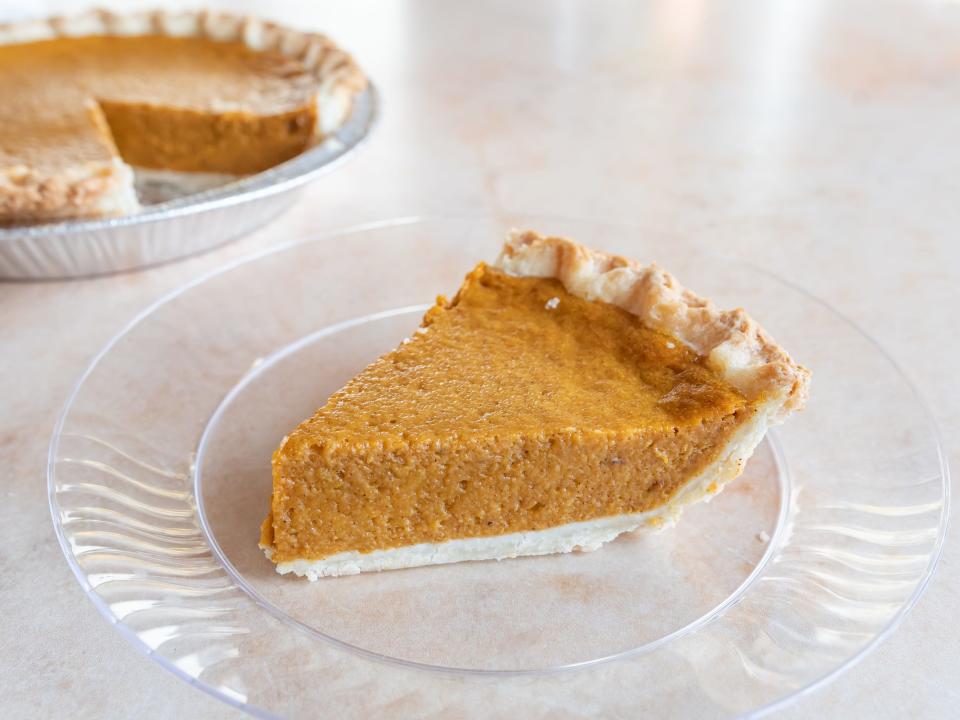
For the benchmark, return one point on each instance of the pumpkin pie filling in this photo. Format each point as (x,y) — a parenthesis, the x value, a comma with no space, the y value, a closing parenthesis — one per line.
(187,104)
(517,406)
(210,95)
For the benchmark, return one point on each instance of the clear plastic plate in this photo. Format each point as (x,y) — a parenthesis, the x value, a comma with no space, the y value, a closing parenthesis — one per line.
(159,476)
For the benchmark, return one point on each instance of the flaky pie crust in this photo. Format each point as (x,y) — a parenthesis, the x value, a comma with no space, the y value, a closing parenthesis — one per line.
(734,344)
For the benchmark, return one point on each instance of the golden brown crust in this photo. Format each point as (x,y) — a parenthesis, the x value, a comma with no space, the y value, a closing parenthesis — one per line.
(734,344)
(105,188)
(97,189)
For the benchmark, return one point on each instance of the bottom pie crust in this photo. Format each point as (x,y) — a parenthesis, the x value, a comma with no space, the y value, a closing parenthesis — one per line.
(154,186)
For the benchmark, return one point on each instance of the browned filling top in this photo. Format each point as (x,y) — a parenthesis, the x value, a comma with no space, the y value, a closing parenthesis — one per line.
(174,103)
(516,406)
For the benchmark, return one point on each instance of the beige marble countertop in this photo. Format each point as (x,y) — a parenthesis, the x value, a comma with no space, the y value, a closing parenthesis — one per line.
(817,138)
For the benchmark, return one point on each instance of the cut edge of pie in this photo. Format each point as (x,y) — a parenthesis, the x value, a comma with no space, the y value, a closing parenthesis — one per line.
(104,187)
(733,345)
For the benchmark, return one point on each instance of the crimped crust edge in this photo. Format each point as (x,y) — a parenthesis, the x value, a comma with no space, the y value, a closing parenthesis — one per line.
(734,344)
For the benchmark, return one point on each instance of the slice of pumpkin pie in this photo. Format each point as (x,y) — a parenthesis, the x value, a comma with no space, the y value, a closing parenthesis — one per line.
(562,397)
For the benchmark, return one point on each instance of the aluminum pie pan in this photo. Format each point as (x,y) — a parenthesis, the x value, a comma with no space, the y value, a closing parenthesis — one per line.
(182,226)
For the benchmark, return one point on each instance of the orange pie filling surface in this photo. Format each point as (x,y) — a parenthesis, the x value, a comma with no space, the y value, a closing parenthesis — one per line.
(183,104)
(515,407)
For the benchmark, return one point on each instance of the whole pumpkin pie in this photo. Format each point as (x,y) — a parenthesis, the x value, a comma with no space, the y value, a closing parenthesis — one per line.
(562,397)
(193,98)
